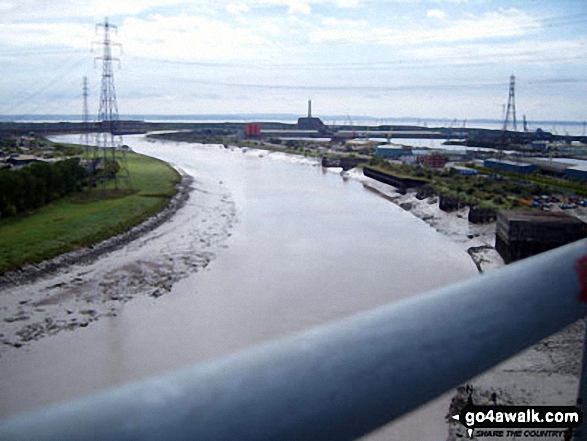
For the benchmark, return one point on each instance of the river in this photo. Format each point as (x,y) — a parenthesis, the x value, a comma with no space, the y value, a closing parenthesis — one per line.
(299,247)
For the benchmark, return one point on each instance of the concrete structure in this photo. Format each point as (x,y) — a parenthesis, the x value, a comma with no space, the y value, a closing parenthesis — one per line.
(521,234)
(510,166)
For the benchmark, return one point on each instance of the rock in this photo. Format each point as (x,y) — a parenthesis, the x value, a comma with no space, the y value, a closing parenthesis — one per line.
(406,206)
(16,318)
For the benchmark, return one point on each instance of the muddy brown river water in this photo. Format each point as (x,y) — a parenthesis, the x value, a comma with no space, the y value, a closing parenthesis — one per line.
(267,245)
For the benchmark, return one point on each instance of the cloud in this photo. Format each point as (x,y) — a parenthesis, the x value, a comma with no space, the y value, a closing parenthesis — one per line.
(498,24)
(237,8)
(347,3)
(436,13)
(524,52)
(185,37)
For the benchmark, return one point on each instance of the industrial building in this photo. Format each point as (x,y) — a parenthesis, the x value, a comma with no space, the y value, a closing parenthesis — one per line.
(310,122)
(510,166)
(550,167)
(253,130)
(389,151)
(434,160)
(460,170)
(520,234)
(578,172)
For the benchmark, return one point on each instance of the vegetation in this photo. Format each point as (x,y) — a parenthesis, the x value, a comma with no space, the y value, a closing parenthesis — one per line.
(559,183)
(84,218)
(496,192)
(38,184)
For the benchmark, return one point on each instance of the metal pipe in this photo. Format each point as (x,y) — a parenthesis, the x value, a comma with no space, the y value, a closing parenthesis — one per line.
(338,381)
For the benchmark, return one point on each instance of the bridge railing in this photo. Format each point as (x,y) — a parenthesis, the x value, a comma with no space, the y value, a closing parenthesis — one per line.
(341,380)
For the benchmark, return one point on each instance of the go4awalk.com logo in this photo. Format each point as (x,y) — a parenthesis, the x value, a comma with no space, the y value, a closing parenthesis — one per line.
(519,421)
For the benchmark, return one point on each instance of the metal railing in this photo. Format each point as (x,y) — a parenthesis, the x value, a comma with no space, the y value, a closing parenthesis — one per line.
(342,380)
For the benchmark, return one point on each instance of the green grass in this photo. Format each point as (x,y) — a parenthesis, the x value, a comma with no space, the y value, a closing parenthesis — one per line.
(89,217)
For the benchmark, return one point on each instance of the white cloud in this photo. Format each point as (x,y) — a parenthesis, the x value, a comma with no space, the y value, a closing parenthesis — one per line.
(436,13)
(35,10)
(344,23)
(299,7)
(524,52)
(188,37)
(347,3)
(237,8)
(499,24)
(35,35)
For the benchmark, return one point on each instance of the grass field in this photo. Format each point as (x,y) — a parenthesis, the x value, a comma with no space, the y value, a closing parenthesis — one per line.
(85,218)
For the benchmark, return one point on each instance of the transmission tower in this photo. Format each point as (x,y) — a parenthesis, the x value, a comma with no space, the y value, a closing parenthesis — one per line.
(109,138)
(511,108)
(85,135)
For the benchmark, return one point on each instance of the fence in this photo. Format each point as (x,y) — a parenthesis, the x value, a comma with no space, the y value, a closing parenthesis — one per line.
(341,380)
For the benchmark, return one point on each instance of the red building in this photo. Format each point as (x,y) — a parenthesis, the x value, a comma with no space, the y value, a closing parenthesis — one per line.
(435,160)
(253,130)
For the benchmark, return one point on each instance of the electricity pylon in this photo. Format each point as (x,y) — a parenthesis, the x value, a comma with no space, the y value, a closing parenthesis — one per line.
(85,135)
(109,137)
(511,108)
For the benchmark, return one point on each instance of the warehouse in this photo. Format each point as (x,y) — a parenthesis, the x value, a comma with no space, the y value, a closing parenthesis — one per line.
(510,166)
(389,151)
(578,172)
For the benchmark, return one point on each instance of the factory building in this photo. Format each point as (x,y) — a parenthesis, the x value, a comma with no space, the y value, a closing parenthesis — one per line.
(310,122)
(510,166)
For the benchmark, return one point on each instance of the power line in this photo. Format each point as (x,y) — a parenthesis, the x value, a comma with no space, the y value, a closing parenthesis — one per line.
(63,73)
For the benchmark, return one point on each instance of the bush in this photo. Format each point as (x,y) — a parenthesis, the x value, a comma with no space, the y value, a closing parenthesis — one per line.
(38,184)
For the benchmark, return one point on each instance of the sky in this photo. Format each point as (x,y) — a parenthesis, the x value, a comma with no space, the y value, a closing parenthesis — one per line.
(382,58)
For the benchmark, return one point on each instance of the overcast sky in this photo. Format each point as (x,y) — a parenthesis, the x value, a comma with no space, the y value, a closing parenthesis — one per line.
(383,58)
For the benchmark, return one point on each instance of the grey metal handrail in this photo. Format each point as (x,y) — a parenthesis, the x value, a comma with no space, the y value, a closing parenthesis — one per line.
(338,381)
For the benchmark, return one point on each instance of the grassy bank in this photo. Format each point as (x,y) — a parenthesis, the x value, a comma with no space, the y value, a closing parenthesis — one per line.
(85,218)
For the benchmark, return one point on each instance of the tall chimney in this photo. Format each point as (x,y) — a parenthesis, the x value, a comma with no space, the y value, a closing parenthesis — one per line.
(309,108)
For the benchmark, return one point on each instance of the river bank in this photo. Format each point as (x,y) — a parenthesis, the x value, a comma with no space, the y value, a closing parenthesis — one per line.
(75,289)
(86,255)
(477,240)
(88,216)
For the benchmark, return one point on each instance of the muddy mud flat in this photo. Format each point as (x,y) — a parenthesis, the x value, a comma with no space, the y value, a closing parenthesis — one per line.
(75,289)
